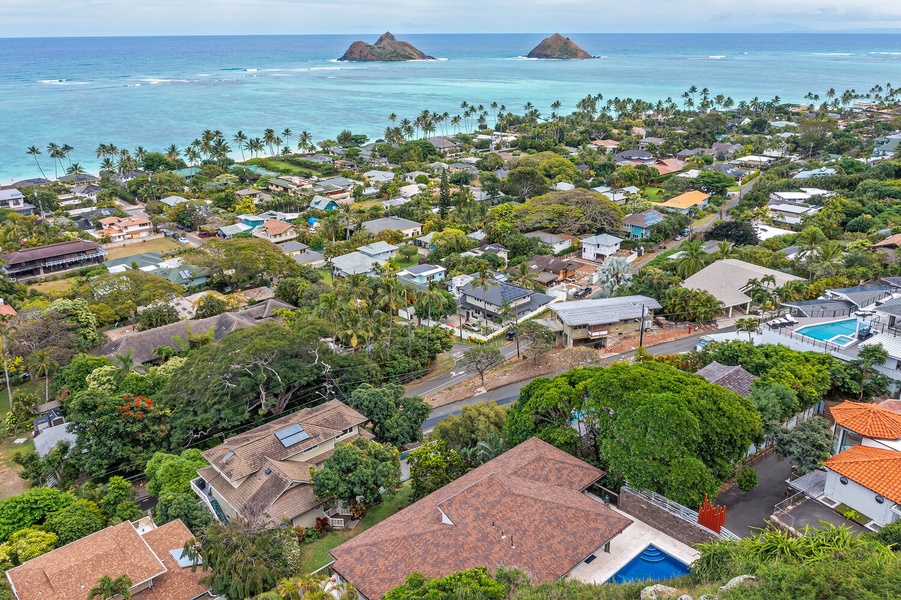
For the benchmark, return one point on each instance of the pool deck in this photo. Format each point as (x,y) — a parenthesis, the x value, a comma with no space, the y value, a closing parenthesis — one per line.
(791,331)
(626,546)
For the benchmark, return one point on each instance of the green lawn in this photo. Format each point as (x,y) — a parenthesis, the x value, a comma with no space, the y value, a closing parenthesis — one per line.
(161,245)
(326,275)
(652,193)
(60,285)
(408,263)
(316,554)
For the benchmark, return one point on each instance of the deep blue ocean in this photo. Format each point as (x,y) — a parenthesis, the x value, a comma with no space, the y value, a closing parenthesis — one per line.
(158,91)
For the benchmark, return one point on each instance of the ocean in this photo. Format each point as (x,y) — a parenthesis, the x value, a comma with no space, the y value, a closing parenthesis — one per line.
(157,91)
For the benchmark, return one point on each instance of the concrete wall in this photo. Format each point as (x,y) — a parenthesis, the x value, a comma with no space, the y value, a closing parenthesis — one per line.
(859,498)
(665,521)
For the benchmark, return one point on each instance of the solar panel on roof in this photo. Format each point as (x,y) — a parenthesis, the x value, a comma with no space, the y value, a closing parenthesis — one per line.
(293,434)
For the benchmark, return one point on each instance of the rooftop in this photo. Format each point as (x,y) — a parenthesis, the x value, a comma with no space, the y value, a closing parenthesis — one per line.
(389,223)
(876,469)
(732,378)
(870,420)
(523,509)
(726,278)
(605,310)
(50,251)
(686,200)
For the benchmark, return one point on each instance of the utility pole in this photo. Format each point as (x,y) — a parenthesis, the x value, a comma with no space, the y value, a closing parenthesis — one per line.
(641,328)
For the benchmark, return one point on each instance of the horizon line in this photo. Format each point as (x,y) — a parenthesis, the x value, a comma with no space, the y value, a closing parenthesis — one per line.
(611,33)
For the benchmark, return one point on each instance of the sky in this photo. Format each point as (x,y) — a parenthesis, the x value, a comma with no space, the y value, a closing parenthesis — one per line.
(51,18)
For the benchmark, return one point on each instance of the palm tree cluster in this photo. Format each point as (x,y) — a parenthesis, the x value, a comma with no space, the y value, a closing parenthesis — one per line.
(211,147)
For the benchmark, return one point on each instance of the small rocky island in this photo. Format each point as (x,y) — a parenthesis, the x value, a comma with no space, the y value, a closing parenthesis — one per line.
(558,47)
(386,48)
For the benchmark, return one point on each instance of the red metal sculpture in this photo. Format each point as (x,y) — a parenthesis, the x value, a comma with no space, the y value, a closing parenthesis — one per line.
(710,516)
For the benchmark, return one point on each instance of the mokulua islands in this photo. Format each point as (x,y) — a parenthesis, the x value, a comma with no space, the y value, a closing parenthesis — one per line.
(386,49)
(559,48)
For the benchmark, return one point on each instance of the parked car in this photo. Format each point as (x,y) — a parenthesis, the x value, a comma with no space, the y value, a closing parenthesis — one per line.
(582,291)
(703,342)
(181,239)
(472,327)
(204,234)
(680,237)
(511,334)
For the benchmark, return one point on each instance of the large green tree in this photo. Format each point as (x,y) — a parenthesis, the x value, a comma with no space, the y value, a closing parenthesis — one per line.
(172,473)
(239,263)
(432,466)
(474,424)
(359,469)
(395,417)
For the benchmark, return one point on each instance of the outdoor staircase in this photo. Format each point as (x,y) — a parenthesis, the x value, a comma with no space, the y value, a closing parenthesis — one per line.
(652,555)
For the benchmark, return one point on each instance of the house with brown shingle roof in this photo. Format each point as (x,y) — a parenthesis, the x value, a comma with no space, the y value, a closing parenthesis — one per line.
(276,231)
(150,556)
(735,378)
(527,508)
(265,472)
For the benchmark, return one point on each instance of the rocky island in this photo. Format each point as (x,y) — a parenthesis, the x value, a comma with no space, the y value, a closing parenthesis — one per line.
(386,48)
(558,47)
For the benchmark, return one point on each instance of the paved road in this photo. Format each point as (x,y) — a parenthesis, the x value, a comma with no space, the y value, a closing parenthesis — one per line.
(457,374)
(509,393)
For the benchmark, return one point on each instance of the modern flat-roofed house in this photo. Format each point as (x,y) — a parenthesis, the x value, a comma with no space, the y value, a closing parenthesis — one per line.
(406,227)
(638,225)
(599,322)
(684,203)
(527,508)
(152,558)
(52,258)
(14,200)
(265,472)
(599,247)
(276,231)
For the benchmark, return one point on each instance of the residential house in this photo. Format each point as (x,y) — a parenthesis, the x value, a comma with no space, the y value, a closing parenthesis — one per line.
(323,203)
(668,166)
(131,227)
(618,195)
(885,147)
(142,344)
(257,220)
(49,437)
(643,144)
(310,258)
(805,195)
(640,157)
(687,202)
(526,508)
(290,184)
(411,176)
(13,199)
(724,150)
(487,302)
(444,145)
(408,191)
(408,228)
(254,194)
(394,202)
(379,178)
(421,275)
(173,201)
(379,250)
(558,242)
(264,473)
(814,173)
(551,269)
(354,263)
(230,231)
(608,145)
(78,178)
(728,169)
(599,247)
(562,186)
(188,172)
(791,214)
(52,258)
(754,160)
(638,225)
(27,183)
(88,191)
(151,557)
(732,378)
(293,248)
(498,249)
(505,140)
(601,322)
(727,279)
(277,232)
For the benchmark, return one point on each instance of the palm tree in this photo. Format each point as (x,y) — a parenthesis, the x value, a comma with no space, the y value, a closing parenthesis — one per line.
(525,277)
(692,260)
(305,141)
(66,149)
(827,260)
(269,139)
(42,363)
(34,151)
(53,151)
(287,134)
(391,300)
(4,319)
(614,273)
(172,152)
(240,139)
(75,169)
(433,294)
(106,588)
(724,249)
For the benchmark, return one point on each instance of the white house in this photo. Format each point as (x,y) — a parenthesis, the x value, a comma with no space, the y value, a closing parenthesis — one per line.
(557,241)
(379,177)
(422,274)
(379,250)
(599,247)
(804,195)
(791,214)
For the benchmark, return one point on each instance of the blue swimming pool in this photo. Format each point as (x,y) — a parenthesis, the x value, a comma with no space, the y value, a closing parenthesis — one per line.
(841,333)
(654,564)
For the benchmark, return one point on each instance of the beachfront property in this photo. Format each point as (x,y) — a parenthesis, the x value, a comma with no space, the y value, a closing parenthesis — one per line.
(14,200)
(151,557)
(727,280)
(638,225)
(406,227)
(264,473)
(599,247)
(601,322)
(687,202)
(52,258)
(531,507)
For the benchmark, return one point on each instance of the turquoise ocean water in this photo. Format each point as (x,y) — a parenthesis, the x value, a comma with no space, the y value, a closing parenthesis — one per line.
(159,91)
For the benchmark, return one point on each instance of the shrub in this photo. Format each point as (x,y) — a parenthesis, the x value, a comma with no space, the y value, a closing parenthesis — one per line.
(747,479)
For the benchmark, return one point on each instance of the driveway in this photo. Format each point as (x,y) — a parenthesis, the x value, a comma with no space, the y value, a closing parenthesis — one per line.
(745,510)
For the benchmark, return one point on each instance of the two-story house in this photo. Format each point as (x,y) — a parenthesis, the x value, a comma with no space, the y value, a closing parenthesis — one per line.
(600,321)
(265,472)
(379,250)
(599,247)
(421,275)
(14,200)
(52,258)
(277,232)
(124,228)
(638,225)
(488,301)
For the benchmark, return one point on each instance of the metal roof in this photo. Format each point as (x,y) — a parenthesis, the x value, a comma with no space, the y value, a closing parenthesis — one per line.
(605,310)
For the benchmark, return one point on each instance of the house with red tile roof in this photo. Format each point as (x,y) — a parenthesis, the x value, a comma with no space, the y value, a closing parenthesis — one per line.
(527,508)
(150,556)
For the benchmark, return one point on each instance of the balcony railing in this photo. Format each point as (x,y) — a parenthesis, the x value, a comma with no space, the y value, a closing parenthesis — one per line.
(676,509)
(209,501)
